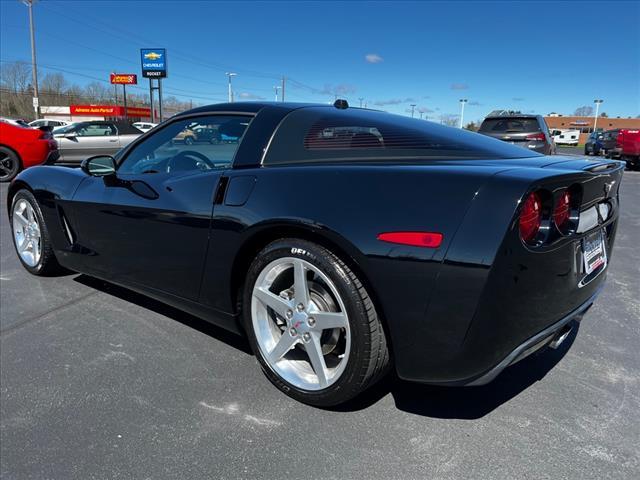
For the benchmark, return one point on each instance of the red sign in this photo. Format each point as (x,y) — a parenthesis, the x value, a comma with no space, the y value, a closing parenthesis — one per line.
(109,111)
(124,79)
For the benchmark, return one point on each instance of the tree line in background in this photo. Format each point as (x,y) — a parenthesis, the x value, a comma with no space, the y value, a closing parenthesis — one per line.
(16,93)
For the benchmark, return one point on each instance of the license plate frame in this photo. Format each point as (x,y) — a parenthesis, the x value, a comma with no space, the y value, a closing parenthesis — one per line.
(594,252)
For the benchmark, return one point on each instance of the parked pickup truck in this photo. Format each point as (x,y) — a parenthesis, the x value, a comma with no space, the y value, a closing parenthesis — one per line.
(623,144)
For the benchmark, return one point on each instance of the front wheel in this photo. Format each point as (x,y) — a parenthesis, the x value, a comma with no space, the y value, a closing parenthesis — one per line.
(312,324)
(30,235)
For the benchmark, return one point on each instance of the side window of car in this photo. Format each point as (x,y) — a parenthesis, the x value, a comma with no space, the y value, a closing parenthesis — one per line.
(181,147)
(96,130)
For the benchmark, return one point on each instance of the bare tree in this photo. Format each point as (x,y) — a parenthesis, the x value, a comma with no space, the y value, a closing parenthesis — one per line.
(15,96)
(584,111)
(449,119)
(99,92)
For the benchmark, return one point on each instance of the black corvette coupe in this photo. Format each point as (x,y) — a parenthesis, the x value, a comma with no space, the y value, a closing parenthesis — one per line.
(343,242)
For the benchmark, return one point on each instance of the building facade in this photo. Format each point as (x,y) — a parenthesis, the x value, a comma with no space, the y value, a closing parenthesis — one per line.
(586,124)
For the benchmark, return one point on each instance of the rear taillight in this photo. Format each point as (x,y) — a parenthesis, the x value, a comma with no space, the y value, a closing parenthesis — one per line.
(537,137)
(531,217)
(619,139)
(561,210)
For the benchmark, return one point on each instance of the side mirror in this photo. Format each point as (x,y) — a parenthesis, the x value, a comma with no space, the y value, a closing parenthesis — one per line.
(99,166)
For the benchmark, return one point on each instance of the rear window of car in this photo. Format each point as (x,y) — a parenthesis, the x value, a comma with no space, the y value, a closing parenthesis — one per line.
(510,125)
(326,134)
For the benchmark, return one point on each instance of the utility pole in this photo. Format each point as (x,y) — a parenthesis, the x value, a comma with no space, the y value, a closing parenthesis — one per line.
(229,75)
(34,67)
(421,113)
(462,102)
(276,88)
(595,121)
(282,91)
(413,108)
(361,99)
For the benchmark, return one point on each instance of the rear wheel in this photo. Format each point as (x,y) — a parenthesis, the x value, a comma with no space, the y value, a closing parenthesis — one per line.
(188,140)
(311,324)
(10,164)
(30,235)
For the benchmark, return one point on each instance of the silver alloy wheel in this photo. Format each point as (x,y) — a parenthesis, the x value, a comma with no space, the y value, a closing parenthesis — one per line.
(26,232)
(302,327)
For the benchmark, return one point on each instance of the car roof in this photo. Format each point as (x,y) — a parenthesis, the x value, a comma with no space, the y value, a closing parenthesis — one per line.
(514,115)
(250,107)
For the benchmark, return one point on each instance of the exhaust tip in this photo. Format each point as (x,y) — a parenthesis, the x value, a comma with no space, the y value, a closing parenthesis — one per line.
(560,337)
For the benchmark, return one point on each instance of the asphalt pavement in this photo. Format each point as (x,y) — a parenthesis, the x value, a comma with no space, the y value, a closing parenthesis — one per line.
(97,382)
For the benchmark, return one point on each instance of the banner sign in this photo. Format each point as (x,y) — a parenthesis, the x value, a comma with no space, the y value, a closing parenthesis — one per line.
(124,78)
(109,111)
(154,62)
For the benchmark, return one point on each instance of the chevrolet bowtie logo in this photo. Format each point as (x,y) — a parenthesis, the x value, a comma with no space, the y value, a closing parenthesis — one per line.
(152,56)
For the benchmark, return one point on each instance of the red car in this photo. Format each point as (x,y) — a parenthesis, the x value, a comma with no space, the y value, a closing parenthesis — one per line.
(23,147)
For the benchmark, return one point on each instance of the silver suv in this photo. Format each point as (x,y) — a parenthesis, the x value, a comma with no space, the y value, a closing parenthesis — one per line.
(528,131)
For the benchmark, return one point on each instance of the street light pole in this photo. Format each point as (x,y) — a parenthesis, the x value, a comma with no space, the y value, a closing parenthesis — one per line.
(462,102)
(595,121)
(413,108)
(361,99)
(229,75)
(34,68)
(276,88)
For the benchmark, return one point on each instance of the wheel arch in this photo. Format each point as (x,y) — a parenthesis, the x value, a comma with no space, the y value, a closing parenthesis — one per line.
(14,188)
(342,248)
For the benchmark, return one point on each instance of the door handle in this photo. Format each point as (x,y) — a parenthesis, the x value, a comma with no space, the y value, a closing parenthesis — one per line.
(112,141)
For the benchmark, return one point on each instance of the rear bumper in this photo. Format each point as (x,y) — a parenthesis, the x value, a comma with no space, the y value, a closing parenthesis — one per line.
(53,156)
(533,344)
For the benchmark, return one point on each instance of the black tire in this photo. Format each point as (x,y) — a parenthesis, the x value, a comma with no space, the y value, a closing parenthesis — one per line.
(47,265)
(368,360)
(10,164)
(188,141)
(586,151)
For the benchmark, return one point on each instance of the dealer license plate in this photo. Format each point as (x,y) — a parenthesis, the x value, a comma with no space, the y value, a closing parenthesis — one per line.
(593,252)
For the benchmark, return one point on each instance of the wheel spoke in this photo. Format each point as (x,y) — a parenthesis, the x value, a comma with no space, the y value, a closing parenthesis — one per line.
(300,284)
(21,219)
(278,304)
(327,320)
(285,344)
(29,213)
(25,245)
(314,351)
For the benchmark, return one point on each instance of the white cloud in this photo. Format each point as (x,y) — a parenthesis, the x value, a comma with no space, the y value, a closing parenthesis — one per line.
(250,96)
(391,101)
(373,58)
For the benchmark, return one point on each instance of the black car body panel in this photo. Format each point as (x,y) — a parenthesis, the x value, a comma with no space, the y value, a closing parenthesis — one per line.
(452,313)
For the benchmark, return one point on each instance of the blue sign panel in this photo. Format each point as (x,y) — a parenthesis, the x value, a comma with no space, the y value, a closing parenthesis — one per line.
(154,62)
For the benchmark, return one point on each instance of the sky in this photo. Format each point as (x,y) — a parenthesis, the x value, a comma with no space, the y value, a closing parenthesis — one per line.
(537,57)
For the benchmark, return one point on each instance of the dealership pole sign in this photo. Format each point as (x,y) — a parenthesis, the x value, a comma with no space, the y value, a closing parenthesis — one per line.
(124,79)
(154,66)
(154,62)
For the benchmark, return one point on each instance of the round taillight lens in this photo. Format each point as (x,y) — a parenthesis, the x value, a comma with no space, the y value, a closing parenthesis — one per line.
(561,211)
(531,217)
